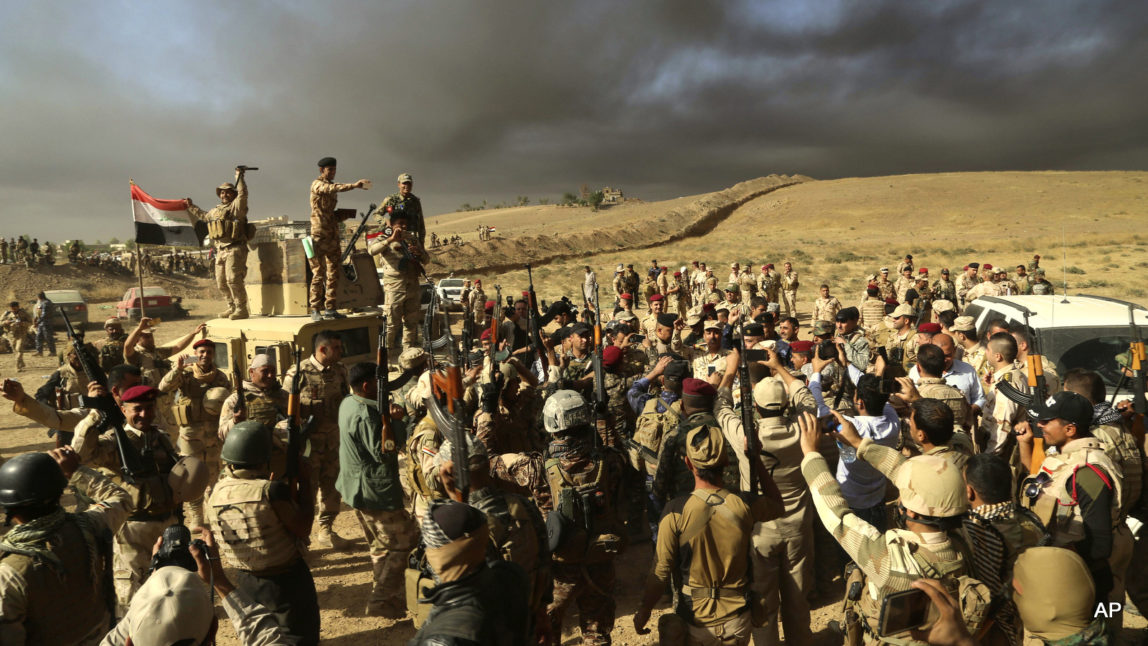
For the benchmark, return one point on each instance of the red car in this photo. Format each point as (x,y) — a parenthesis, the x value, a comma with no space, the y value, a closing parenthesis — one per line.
(156,303)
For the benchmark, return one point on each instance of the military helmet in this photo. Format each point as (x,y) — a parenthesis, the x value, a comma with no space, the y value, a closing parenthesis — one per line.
(565,410)
(213,400)
(188,479)
(31,479)
(248,444)
(931,486)
(226,186)
(769,393)
(412,357)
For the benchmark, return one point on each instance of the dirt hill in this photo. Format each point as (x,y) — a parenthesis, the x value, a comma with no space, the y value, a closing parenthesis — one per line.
(17,282)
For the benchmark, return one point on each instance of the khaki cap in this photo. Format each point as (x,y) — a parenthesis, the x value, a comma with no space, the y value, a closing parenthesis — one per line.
(713,325)
(412,357)
(705,447)
(931,486)
(769,393)
(1053,591)
(226,186)
(964,324)
(172,606)
(944,305)
(903,310)
(406,177)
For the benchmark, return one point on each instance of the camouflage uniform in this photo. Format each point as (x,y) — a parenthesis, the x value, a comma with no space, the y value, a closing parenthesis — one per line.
(269,408)
(901,348)
(872,313)
(321,391)
(936,388)
(227,228)
(325,240)
(422,475)
(198,429)
(401,285)
(825,309)
(1001,413)
(747,285)
(111,350)
(789,284)
(963,284)
(4,251)
(16,325)
(885,289)
(945,289)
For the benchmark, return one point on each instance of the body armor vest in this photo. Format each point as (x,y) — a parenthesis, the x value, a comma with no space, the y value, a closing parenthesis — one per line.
(1055,503)
(251,535)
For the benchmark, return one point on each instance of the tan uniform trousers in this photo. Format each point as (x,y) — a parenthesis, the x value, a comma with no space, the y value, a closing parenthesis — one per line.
(1119,561)
(324,458)
(391,535)
(325,272)
(17,342)
(789,301)
(783,575)
(402,303)
(230,271)
(201,440)
(676,632)
(131,557)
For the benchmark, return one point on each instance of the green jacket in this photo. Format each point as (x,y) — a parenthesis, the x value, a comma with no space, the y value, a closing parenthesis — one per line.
(368,478)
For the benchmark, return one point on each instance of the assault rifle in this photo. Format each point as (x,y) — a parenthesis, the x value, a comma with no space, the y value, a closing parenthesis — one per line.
(383,396)
(1037,391)
(358,232)
(131,462)
(1139,378)
(240,402)
(444,405)
(467,341)
(748,424)
(297,428)
(534,326)
(600,403)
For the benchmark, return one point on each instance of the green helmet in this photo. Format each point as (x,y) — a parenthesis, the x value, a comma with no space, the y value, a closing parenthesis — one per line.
(248,444)
(31,479)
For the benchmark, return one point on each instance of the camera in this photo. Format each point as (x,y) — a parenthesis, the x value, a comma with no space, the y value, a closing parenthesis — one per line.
(175,549)
(826,350)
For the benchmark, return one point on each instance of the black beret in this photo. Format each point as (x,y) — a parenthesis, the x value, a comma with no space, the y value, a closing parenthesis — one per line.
(327,161)
(848,314)
(581,329)
(755,329)
(667,320)
(677,369)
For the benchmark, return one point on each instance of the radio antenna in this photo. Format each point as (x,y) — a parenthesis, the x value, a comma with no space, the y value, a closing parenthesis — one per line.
(1064,261)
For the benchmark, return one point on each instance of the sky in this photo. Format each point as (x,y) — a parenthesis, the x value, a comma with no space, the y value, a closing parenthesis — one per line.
(494,99)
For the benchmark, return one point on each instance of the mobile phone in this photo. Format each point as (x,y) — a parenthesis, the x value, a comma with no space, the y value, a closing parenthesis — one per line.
(903,611)
(889,386)
(710,370)
(757,355)
(637,338)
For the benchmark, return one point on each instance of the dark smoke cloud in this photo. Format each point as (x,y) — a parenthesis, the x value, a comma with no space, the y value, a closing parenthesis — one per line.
(495,99)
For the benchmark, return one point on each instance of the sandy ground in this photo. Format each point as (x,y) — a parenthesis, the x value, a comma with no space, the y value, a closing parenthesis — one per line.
(834,232)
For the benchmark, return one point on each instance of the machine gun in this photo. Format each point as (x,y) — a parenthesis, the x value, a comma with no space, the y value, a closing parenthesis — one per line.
(383,396)
(131,462)
(534,326)
(600,403)
(297,428)
(444,405)
(355,237)
(1037,392)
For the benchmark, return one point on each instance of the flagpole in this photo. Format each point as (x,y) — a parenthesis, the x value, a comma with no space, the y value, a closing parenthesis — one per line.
(139,269)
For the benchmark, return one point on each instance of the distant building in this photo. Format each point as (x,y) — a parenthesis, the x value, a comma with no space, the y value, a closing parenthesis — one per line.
(280,228)
(612,195)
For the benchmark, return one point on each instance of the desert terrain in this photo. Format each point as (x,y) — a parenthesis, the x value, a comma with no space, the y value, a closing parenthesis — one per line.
(835,232)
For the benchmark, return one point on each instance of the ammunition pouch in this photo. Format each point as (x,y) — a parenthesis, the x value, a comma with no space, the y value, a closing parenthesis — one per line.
(227,231)
(417,578)
(187,412)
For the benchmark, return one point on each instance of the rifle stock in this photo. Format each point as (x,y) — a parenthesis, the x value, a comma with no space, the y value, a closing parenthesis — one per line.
(355,238)
(383,394)
(749,427)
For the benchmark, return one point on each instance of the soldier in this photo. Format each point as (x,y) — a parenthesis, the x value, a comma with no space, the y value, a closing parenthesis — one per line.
(74,251)
(424,443)
(260,523)
(872,311)
(1001,414)
(1023,335)
(712,357)
(22,249)
(42,315)
(400,255)
(825,308)
(53,564)
(678,296)
(649,324)
(885,289)
(229,232)
(782,548)
(154,498)
(1040,286)
(586,538)
(928,380)
(901,347)
(904,283)
(325,226)
(748,284)
(15,323)
(945,289)
(789,285)
(1079,492)
(264,401)
(989,484)
(323,387)
(1057,599)
(4,250)
(965,282)
(475,601)
(503,425)
(855,344)
(370,482)
(200,389)
(907,263)
(141,351)
(404,201)
(703,545)
(932,497)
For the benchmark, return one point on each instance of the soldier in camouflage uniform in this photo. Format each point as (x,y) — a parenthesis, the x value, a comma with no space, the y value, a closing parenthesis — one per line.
(400,257)
(945,289)
(200,389)
(15,323)
(503,425)
(326,228)
(322,389)
(825,308)
(1000,413)
(264,401)
(885,289)
(65,387)
(932,492)
(111,347)
(228,230)
(901,346)
(4,251)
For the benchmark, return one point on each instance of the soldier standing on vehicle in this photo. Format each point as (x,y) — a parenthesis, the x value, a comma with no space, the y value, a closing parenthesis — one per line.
(228,229)
(405,202)
(401,256)
(325,230)
(200,390)
(15,323)
(324,385)
(53,564)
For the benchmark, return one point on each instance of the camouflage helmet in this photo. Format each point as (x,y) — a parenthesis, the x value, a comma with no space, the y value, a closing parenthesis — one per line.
(31,479)
(412,357)
(188,479)
(226,186)
(931,486)
(248,444)
(213,400)
(565,410)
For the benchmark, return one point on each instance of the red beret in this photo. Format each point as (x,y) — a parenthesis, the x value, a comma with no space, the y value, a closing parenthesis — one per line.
(139,393)
(485,336)
(697,387)
(525,294)
(988,266)
(891,301)
(923,270)
(203,343)
(611,356)
(929,328)
(627,297)
(965,268)
(489,305)
(655,297)
(709,307)
(801,346)
(769,266)
(677,273)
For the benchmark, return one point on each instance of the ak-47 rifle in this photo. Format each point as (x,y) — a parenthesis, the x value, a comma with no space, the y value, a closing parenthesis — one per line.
(445,408)
(1139,379)
(1037,391)
(240,401)
(600,404)
(535,328)
(467,341)
(297,428)
(355,238)
(748,424)
(383,396)
(131,462)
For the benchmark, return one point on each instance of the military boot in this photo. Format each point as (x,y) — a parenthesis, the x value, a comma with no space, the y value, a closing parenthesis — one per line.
(328,538)
(239,313)
(227,312)
(379,605)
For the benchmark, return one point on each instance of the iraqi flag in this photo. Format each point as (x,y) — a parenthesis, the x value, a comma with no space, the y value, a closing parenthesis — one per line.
(163,222)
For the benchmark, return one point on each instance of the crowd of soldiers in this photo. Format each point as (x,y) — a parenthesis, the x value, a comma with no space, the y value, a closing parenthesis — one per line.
(505,484)
(33,253)
(29,252)
(444,241)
